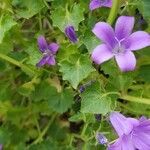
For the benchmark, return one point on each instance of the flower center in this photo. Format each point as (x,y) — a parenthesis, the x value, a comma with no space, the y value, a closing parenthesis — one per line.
(47,53)
(119,47)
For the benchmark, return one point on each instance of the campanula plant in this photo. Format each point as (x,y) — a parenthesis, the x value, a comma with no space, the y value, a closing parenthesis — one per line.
(74,75)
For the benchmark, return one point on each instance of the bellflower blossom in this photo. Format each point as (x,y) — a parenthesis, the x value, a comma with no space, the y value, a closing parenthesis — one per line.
(101,139)
(100,3)
(133,134)
(119,43)
(48,51)
(70,33)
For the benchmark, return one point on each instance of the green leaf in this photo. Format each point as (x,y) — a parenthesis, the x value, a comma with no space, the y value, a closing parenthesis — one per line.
(28,8)
(34,54)
(61,17)
(94,101)
(90,42)
(144,73)
(60,102)
(77,68)
(6,23)
(4,135)
(145,7)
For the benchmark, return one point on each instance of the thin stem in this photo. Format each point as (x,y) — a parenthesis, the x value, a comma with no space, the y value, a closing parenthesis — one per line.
(110,93)
(40,21)
(16,63)
(11,60)
(136,99)
(113,11)
(40,138)
(84,129)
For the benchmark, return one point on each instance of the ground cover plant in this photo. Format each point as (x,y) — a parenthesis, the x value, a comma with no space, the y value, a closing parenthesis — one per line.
(74,74)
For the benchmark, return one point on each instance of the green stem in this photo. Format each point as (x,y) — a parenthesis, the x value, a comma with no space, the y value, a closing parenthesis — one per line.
(40,138)
(136,99)
(11,60)
(16,63)
(113,11)
(84,129)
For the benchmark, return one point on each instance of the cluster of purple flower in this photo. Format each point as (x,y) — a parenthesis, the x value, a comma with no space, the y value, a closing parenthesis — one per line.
(118,43)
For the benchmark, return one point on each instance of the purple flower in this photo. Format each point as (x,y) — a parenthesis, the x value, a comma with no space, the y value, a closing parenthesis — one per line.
(48,50)
(101,139)
(100,3)
(133,134)
(1,146)
(119,43)
(70,33)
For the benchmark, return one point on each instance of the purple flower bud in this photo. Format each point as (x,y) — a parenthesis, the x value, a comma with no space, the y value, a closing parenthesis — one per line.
(98,117)
(70,33)
(101,139)
(82,88)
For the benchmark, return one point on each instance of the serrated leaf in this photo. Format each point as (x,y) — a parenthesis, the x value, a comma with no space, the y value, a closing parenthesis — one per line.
(94,101)
(77,68)
(90,42)
(34,54)
(58,101)
(6,23)
(61,17)
(28,8)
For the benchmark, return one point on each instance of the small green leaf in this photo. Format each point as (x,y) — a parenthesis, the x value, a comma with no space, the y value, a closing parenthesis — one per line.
(60,102)
(90,42)
(28,8)
(61,17)
(77,68)
(94,101)
(6,23)
(4,135)
(34,54)
(144,6)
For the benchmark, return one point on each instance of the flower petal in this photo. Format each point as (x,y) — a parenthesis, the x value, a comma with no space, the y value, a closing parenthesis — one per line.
(53,47)
(120,123)
(42,62)
(51,61)
(116,145)
(100,3)
(140,142)
(101,54)
(94,4)
(137,40)
(105,32)
(107,3)
(127,143)
(124,26)
(42,43)
(126,61)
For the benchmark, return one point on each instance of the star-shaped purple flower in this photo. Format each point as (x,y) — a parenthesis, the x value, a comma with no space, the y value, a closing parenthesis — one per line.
(119,43)
(48,50)
(100,3)
(133,134)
